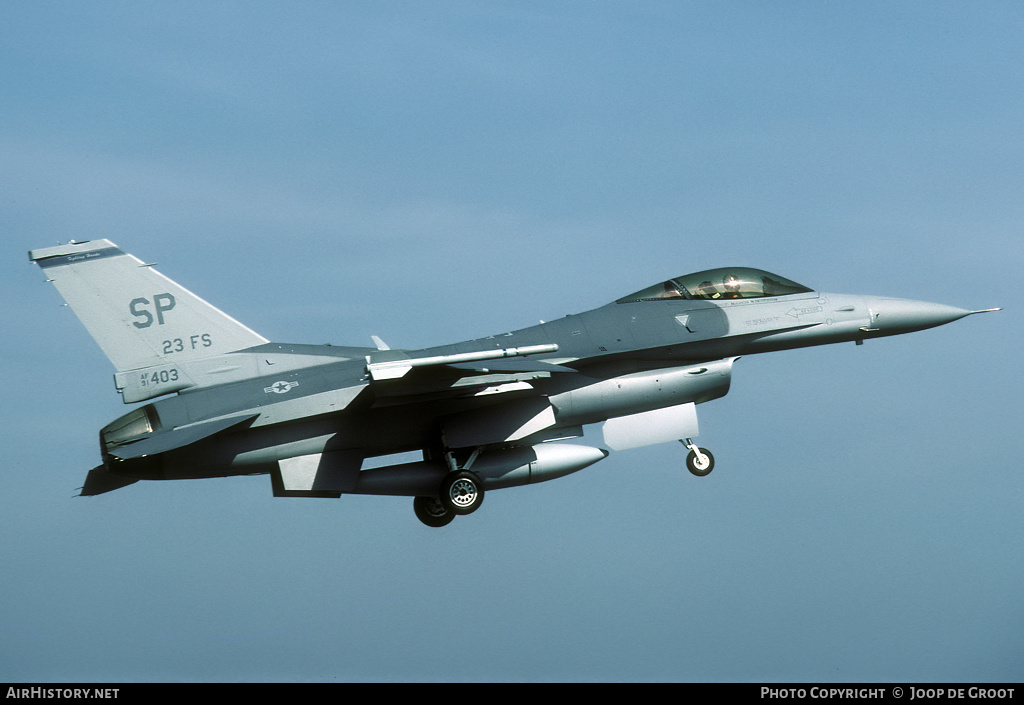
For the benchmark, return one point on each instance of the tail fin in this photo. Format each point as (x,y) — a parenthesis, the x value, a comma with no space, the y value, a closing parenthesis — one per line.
(139,317)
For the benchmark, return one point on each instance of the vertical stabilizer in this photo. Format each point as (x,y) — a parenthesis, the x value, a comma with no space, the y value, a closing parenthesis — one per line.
(139,317)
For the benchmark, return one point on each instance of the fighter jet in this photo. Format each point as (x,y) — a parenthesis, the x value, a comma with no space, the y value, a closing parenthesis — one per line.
(486,414)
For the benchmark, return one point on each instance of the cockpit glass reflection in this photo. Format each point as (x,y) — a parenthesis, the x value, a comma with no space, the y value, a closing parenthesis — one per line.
(720,284)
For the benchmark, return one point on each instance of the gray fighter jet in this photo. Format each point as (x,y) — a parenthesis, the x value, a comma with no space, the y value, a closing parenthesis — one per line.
(485,413)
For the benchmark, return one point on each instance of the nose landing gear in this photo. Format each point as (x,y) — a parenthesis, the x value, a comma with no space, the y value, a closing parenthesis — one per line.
(699,461)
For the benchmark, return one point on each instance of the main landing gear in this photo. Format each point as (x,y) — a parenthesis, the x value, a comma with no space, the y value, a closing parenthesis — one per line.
(699,461)
(461,493)
(431,512)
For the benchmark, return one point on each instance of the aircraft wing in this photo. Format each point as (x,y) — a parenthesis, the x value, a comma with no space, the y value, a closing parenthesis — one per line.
(510,365)
(434,377)
(395,364)
(398,378)
(514,409)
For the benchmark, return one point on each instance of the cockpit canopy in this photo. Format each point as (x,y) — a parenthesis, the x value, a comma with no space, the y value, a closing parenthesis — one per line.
(717,284)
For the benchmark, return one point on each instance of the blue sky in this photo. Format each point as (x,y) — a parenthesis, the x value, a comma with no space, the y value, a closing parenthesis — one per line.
(431,172)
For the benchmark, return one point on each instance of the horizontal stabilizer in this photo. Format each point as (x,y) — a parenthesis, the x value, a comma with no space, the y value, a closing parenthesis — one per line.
(163,441)
(100,480)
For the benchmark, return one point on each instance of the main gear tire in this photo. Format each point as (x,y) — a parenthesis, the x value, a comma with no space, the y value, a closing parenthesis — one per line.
(432,512)
(461,492)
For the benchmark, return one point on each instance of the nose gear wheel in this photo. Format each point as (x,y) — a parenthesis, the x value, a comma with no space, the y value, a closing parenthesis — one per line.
(699,461)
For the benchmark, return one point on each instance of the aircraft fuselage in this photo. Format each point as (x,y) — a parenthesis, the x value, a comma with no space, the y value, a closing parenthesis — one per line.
(226,401)
(630,357)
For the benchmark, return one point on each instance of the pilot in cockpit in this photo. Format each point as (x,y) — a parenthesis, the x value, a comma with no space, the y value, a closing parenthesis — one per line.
(706,290)
(732,285)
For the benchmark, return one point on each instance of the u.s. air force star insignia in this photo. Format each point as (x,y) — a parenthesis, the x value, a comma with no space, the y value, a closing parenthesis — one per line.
(281,387)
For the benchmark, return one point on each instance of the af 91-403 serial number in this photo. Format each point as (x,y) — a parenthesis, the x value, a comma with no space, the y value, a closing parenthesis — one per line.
(149,379)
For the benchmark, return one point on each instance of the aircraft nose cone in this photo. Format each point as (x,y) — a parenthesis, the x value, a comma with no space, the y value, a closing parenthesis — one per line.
(904,315)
